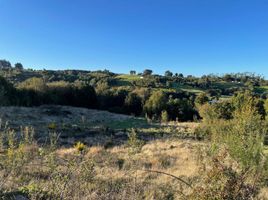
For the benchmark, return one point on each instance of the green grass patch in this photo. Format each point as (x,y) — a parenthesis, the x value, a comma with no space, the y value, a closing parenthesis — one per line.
(128,77)
(128,123)
(261,89)
(226,85)
(186,88)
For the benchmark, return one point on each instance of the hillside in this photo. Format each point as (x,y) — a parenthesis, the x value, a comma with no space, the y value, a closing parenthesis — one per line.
(226,84)
(94,127)
(75,134)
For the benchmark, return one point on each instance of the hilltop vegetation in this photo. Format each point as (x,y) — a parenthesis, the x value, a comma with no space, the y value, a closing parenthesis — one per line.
(133,94)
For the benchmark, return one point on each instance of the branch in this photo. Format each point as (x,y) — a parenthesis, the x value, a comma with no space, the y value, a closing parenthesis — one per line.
(173,176)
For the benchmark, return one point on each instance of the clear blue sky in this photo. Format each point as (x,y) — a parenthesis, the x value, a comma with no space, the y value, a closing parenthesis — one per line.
(189,36)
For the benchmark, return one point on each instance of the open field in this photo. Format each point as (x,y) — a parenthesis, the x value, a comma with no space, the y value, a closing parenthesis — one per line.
(79,153)
(261,89)
(107,152)
(92,126)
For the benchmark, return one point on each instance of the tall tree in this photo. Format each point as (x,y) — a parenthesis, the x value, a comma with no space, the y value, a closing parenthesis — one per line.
(168,73)
(147,72)
(19,66)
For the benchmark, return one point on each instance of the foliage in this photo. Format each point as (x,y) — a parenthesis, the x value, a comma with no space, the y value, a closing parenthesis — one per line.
(35,84)
(133,104)
(201,99)
(234,165)
(156,103)
(168,73)
(219,110)
(19,66)
(147,72)
(134,142)
(164,116)
(126,94)
(80,147)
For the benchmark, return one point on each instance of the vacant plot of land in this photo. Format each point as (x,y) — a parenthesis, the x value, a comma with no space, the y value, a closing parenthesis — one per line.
(93,127)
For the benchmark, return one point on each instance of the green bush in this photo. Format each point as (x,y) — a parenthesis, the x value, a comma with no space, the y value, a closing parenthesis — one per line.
(134,143)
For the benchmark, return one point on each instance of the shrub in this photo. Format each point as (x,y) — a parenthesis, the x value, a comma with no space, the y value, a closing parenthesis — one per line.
(52,126)
(164,116)
(155,104)
(234,164)
(134,143)
(80,147)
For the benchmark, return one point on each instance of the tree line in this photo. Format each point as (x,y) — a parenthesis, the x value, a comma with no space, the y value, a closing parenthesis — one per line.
(152,103)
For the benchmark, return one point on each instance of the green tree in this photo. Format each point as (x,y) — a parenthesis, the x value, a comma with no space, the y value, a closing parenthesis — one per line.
(19,66)
(133,104)
(180,109)
(155,104)
(168,73)
(147,72)
(215,111)
(4,64)
(132,72)
(247,97)
(8,95)
(201,99)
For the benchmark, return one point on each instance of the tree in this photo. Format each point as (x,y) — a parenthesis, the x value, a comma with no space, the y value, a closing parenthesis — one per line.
(218,110)
(180,109)
(85,97)
(228,78)
(201,99)
(155,104)
(132,72)
(133,104)
(19,66)
(214,93)
(180,75)
(7,92)
(4,64)
(168,73)
(147,72)
(247,98)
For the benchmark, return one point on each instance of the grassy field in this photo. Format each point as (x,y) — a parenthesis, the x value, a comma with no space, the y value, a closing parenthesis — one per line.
(226,85)
(261,89)
(128,77)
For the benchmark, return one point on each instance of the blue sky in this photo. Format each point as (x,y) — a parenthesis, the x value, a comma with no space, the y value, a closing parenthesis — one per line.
(189,36)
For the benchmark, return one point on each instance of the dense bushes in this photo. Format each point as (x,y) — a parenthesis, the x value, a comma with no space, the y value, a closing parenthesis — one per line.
(35,92)
(7,93)
(177,107)
(234,165)
(226,109)
(140,101)
(149,95)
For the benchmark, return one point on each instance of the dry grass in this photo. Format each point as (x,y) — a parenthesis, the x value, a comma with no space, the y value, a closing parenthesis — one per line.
(173,156)
(263,194)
